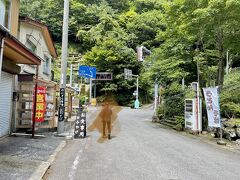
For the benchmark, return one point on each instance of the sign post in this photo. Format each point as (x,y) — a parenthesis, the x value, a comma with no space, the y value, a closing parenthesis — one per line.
(90,91)
(155,98)
(195,86)
(128,76)
(34,103)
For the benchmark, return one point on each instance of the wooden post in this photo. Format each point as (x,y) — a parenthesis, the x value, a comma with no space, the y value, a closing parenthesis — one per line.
(34,103)
(54,103)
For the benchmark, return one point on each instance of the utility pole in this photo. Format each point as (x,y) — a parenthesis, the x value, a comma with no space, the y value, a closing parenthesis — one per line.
(61,111)
(155,97)
(137,88)
(136,101)
(128,76)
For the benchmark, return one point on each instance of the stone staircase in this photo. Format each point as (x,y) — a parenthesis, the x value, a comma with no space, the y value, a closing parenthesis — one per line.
(170,122)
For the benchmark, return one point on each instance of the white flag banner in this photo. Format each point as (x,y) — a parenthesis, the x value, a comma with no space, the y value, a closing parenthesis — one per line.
(213,107)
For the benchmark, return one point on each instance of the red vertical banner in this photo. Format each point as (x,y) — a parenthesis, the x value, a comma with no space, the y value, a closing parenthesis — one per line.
(40,103)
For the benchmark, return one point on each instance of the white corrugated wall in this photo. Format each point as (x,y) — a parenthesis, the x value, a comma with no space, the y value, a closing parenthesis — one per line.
(6,84)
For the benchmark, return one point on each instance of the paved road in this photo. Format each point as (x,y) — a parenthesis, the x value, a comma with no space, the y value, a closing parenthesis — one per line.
(144,151)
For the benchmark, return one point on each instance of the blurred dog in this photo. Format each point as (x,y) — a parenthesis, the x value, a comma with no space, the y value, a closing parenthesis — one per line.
(106,118)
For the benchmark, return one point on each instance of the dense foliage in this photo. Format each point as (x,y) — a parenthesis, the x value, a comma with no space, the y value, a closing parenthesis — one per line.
(188,39)
(230,97)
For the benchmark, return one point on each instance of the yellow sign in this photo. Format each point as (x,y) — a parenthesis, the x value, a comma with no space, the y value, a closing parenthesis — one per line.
(94,102)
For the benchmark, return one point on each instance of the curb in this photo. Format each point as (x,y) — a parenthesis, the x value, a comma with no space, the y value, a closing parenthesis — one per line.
(41,170)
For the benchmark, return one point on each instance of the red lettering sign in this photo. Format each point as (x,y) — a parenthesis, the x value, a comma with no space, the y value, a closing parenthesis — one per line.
(40,104)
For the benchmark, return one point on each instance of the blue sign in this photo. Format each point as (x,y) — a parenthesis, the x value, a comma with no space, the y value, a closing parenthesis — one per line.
(87,71)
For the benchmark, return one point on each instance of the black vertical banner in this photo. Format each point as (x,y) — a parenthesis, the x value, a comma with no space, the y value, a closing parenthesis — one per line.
(61,111)
(80,124)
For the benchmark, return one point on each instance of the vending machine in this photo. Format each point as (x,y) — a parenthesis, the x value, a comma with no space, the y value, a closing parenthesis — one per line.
(193,114)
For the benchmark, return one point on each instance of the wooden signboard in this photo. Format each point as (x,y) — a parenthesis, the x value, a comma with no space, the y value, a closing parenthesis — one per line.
(80,124)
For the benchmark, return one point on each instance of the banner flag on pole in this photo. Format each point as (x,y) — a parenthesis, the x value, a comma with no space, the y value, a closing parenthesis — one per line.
(213,106)
(40,103)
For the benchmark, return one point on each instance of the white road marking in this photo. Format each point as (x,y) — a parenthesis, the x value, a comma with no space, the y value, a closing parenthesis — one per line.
(76,162)
(74,166)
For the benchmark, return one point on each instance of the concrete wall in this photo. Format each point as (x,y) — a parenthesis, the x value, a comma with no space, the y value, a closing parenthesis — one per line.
(41,50)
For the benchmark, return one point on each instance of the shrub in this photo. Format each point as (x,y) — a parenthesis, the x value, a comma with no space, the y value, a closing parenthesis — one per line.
(160,112)
(230,96)
(180,122)
(174,98)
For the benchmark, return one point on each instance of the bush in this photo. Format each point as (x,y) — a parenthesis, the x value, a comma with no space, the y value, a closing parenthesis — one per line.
(230,96)
(82,99)
(160,112)
(101,99)
(174,98)
(180,121)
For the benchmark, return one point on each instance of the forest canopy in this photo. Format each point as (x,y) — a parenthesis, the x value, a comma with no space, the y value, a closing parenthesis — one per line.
(189,39)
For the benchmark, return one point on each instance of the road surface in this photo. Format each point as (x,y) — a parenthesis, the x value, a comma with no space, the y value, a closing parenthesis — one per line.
(144,151)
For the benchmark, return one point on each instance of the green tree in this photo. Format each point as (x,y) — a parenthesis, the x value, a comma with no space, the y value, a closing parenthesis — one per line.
(112,55)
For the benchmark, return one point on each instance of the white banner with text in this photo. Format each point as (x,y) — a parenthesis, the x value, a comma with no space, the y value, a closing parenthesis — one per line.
(213,106)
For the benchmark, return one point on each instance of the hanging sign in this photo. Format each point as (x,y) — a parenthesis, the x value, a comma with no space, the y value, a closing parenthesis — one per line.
(40,103)
(213,107)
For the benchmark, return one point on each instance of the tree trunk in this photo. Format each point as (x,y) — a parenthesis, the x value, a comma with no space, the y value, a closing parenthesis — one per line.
(220,72)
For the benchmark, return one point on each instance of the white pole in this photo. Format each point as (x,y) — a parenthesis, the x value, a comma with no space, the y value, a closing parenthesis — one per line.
(71,75)
(137,89)
(199,112)
(61,115)
(199,129)
(90,89)
(95,89)
(140,53)
(183,83)
(227,65)
(1,56)
(155,97)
